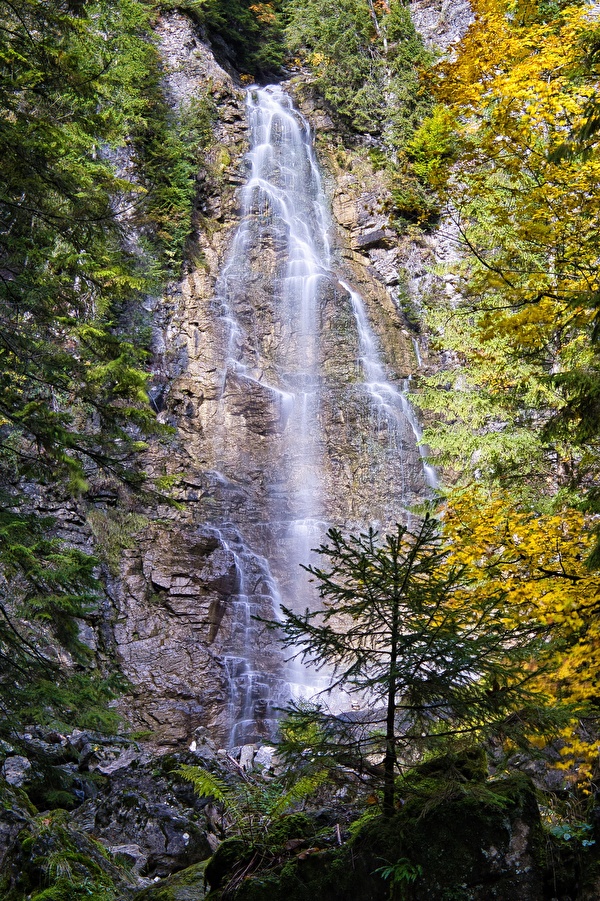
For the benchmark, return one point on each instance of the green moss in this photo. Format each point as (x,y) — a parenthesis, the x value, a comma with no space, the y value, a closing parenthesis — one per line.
(223,158)
(114,530)
(294,825)
(227,855)
(15,799)
(185,886)
(53,861)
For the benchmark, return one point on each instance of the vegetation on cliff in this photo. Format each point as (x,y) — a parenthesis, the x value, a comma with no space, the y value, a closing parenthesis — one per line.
(367,61)
(249,34)
(78,81)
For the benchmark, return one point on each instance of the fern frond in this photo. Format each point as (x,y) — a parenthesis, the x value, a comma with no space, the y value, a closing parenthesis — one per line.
(205,784)
(301,789)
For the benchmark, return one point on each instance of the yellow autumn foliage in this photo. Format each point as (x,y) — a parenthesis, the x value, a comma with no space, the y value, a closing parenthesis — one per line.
(536,562)
(529,218)
(264,13)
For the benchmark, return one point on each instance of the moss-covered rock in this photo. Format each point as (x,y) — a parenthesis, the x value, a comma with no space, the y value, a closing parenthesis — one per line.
(293,826)
(185,886)
(51,860)
(16,812)
(228,855)
(472,841)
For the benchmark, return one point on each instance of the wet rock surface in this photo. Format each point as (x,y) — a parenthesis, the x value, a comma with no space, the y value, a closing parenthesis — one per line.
(122,796)
(16,770)
(15,815)
(176,633)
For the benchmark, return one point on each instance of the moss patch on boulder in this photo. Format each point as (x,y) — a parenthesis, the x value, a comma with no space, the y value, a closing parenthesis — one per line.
(185,886)
(52,860)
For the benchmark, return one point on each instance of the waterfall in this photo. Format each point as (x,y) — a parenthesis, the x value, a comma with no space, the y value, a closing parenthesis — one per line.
(253,666)
(392,406)
(327,437)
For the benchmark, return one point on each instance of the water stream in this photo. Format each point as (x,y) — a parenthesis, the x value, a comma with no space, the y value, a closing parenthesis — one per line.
(391,406)
(277,297)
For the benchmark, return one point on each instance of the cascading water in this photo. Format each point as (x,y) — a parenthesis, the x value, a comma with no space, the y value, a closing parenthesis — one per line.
(391,406)
(252,666)
(319,441)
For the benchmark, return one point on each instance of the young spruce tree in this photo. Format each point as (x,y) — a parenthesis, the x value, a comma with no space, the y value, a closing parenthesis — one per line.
(431,658)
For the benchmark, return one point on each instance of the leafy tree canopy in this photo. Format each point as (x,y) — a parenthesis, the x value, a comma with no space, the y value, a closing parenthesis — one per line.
(538,563)
(520,403)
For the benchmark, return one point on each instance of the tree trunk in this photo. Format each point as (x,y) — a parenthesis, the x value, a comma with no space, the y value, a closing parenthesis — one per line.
(389,762)
(377,26)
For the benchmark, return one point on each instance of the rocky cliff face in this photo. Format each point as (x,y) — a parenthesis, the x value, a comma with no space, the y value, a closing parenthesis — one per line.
(186,592)
(441,23)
